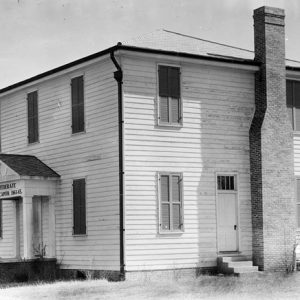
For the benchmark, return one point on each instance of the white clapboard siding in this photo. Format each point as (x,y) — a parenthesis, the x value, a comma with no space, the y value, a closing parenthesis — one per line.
(7,242)
(218,105)
(297,169)
(93,155)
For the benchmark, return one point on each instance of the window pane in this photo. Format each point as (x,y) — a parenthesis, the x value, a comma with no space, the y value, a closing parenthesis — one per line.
(164,109)
(176,217)
(175,110)
(165,216)
(176,188)
(226,183)
(164,188)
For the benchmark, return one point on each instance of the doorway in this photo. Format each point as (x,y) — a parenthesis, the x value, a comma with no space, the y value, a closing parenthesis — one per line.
(227,213)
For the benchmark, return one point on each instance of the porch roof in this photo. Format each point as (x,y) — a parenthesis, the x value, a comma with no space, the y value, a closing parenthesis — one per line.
(27,165)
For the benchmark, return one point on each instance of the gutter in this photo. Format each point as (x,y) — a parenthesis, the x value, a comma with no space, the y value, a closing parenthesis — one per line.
(118,75)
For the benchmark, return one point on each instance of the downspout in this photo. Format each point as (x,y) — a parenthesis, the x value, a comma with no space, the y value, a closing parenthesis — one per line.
(118,75)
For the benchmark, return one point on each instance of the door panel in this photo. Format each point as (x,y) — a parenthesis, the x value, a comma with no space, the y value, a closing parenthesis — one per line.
(227,222)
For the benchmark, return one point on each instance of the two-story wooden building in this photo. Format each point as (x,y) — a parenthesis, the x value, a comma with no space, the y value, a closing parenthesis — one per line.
(162,153)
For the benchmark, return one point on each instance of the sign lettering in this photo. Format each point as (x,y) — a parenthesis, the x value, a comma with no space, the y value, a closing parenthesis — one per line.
(10,190)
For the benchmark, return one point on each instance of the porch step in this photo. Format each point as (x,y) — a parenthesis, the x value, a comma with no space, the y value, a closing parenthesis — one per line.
(236,265)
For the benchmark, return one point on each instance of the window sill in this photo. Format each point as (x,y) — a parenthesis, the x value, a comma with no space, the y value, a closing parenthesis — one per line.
(171,125)
(84,235)
(34,143)
(78,133)
(170,233)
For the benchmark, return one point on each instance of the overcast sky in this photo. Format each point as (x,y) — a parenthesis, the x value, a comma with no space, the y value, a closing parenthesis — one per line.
(38,35)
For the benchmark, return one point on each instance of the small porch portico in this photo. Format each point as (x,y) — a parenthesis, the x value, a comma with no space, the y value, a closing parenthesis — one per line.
(31,188)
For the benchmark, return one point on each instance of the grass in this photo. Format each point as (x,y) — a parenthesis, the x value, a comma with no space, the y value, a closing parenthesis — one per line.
(265,286)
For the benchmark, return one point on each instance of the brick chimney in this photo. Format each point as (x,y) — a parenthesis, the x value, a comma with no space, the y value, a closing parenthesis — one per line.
(271,148)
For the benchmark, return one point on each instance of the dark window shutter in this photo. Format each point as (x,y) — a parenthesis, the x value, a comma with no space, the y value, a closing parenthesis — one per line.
(1,221)
(176,202)
(297,94)
(77,104)
(163,81)
(289,93)
(32,109)
(174,82)
(79,207)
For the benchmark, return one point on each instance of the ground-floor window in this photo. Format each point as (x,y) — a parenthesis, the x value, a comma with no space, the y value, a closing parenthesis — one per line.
(170,202)
(298,202)
(1,231)
(79,206)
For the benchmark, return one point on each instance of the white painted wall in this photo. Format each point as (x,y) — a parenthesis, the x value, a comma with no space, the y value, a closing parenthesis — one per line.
(93,155)
(7,242)
(218,104)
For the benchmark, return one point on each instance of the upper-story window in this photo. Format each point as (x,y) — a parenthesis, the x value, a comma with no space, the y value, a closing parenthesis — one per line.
(293,102)
(32,115)
(77,104)
(169,95)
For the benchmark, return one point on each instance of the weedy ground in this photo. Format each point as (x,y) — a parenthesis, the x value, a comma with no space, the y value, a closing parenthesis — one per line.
(262,286)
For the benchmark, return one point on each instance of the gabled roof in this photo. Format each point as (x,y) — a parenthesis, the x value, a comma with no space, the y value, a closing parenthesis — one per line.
(167,40)
(27,165)
(173,41)
(169,43)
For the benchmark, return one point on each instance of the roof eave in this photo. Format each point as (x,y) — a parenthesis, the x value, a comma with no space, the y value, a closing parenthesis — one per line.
(127,48)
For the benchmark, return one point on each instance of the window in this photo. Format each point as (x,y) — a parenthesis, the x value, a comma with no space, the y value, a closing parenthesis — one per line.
(32,114)
(169,95)
(298,202)
(1,232)
(79,214)
(226,183)
(293,102)
(77,104)
(171,215)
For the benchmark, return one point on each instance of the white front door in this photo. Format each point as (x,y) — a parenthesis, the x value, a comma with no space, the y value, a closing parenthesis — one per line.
(227,216)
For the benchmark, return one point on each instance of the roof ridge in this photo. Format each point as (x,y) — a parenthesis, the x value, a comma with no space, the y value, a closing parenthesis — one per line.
(196,38)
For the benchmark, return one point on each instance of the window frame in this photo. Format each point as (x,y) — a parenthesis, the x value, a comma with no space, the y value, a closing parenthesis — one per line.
(37,116)
(73,207)
(171,230)
(83,104)
(169,124)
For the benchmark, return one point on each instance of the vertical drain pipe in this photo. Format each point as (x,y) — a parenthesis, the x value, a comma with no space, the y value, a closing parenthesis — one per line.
(118,75)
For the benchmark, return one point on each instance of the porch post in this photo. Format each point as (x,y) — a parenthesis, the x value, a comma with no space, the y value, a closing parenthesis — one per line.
(27,226)
(17,233)
(52,233)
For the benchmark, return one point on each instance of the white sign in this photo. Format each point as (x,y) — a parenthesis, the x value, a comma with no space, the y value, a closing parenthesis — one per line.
(10,190)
